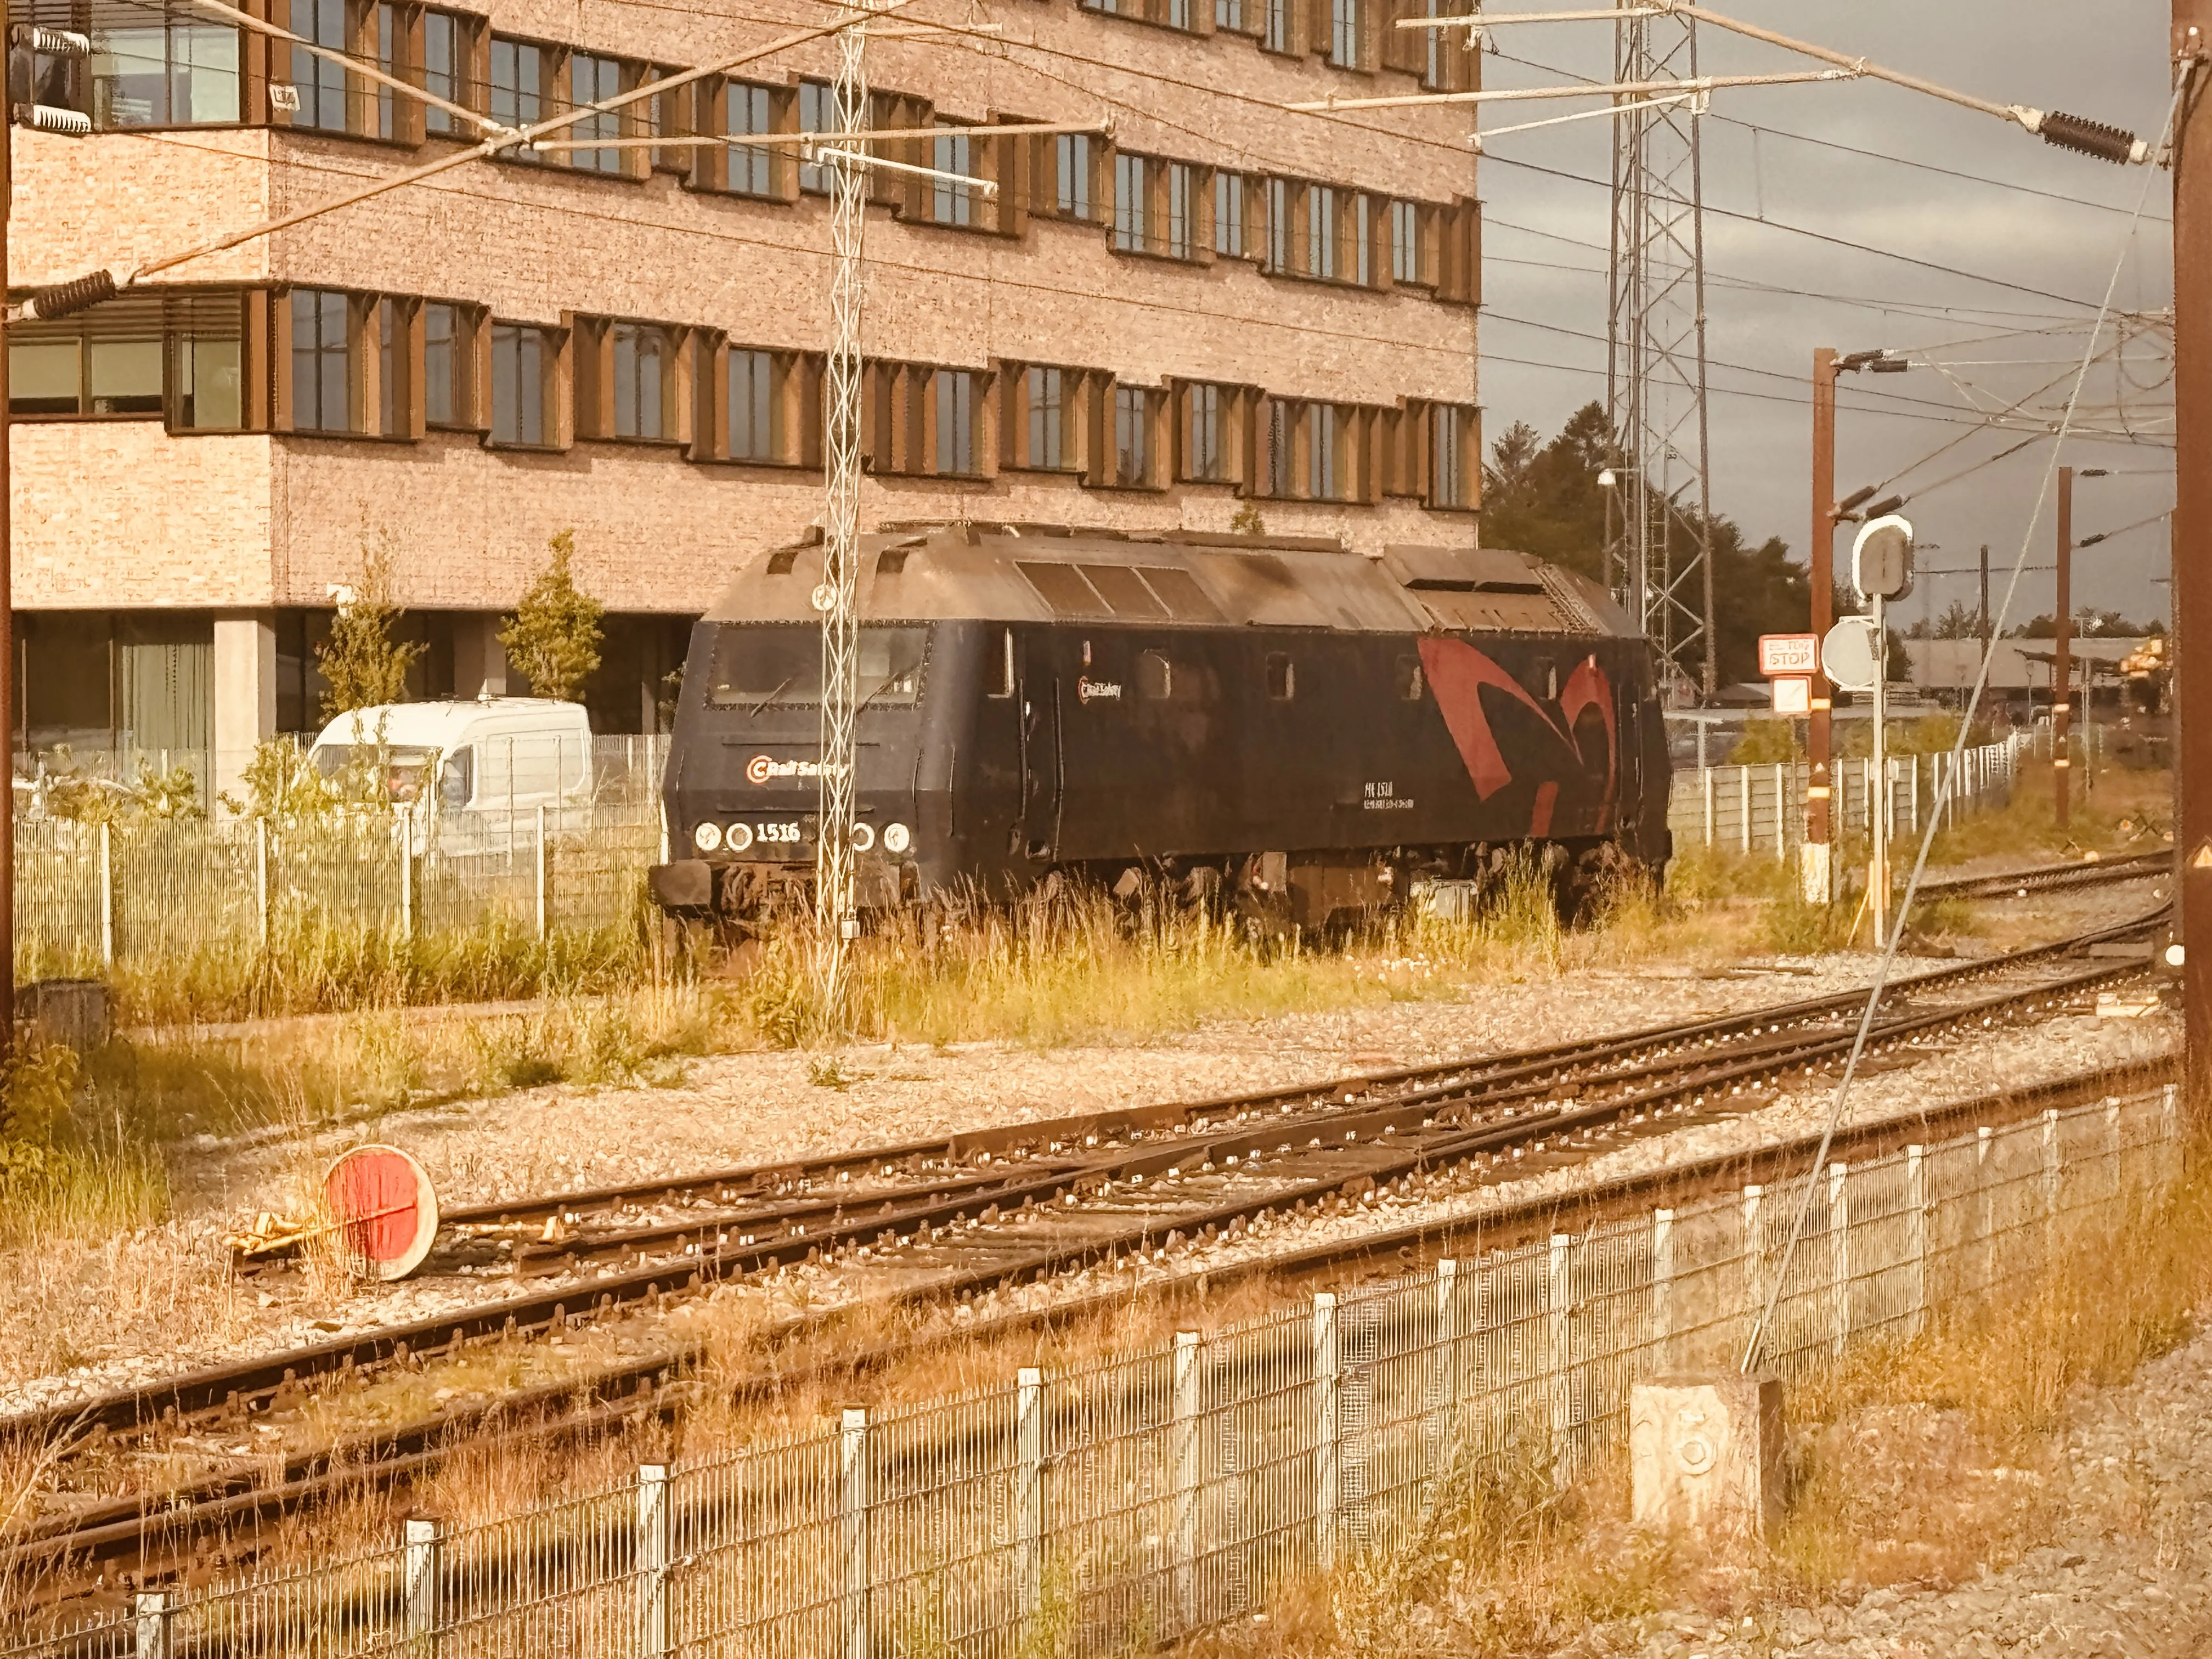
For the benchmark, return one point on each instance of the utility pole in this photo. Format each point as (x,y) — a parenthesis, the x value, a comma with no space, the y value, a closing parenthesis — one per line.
(1985,596)
(2062,661)
(7,570)
(836,923)
(1819,873)
(2193,526)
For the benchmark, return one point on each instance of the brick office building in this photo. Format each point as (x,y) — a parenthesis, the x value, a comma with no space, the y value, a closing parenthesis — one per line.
(1219,303)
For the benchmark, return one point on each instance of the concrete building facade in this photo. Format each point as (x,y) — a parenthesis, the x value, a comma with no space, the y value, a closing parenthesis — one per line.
(1219,306)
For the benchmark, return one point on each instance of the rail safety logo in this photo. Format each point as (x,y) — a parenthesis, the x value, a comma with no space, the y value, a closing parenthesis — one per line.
(761,768)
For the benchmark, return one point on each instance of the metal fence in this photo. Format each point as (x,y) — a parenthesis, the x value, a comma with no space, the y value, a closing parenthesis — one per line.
(148,888)
(1125,1502)
(1744,808)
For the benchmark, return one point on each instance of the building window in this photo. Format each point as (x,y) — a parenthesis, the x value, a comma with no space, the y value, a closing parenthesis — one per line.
(817,112)
(954,390)
(1132,436)
(1448,426)
(1229,15)
(1278,224)
(1346,21)
(755,426)
(207,363)
(107,362)
(1275,33)
(519,363)
(1045,392)
(746,110)
(1129,203)
(640,352)
(444,366)
(1073,157)
(1278,480)
(445,59)
(1324,452)
(952,204)
(593,80)
(167,65)
(518,89)
(1406,265)
(1206,434)
(1363,241)
(320,83)
(1229,214)
(1321,231)
(322,378)
(1153,205)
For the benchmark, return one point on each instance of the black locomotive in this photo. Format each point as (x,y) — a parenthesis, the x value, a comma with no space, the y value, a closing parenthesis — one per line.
(1273,722)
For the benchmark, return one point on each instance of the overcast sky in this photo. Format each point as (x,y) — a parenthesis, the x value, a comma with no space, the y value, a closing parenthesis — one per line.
(2106,62)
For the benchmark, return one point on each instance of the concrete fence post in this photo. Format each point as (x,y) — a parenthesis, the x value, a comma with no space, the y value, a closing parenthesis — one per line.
(261,879)
(2050,1181)
(1448,1336)
(1183,1417)
(1559,1346)
(1662,1289)
(853,1565)
(1915,796)
(541,870)
(1743,802)
(1326,1440)
(2169,1130)
(421,1559)
(1839,1254)
(1986,1210)
(1781,815)
(406,874)
(1916,1237)
(2115,1150)
(655,1555)
(107,895)
(1029,1490)
(155,1618)
(1755,1255)
(1705,795)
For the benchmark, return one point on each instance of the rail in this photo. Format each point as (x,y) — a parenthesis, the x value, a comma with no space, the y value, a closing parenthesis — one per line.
(1165,1490)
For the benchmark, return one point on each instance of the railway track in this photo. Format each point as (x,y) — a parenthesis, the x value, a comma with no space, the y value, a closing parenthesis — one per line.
(2049,877)
(1020,1203)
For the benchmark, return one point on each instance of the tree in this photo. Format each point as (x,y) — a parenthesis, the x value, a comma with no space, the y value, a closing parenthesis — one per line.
(554,635)
(361,662)
(1960,621)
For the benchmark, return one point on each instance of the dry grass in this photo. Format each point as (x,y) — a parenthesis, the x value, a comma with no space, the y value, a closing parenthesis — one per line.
(1924,1462)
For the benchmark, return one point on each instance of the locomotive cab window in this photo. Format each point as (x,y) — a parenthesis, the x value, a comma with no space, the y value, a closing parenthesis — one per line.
(759,664)
(1282,676)
(1155,677)
(1409,679)
(1540,679)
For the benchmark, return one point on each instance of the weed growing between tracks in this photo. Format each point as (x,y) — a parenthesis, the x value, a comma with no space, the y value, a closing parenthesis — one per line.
(1922,1462)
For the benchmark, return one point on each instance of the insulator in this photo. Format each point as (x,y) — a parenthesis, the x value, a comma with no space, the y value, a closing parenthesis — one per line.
(2090,137)
(45,118)
(66,298)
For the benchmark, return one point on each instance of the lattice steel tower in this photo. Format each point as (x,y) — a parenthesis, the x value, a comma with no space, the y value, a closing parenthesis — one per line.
(1658,530)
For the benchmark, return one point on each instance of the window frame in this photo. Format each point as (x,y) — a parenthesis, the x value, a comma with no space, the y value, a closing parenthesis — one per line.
(552,343)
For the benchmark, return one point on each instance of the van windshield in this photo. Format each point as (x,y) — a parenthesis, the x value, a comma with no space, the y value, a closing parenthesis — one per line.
(404,764)
(757,664)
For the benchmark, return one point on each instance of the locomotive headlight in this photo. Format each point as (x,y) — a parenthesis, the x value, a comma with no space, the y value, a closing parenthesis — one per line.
(863,837)
(706,837)
(896,838)
(738,837)
(2175,955)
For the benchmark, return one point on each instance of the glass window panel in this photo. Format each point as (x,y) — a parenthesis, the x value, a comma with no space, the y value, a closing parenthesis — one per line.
(955,391)
(639,353)
(754,435)
(1203,446)
(593,80)
(44,377)
(1132,436)
(518,90)
(1129,203)
(125,377)
(764,663)
(1072,156)
(1229,213)
(204,56)
(1276,31)
(747,111)
(1344,34)
(441,345)
(442,59)
(320,83)
(817,112)
(174,67)
(1044,391)
(518,384)
(1179,210)
(320,380)
(953,204)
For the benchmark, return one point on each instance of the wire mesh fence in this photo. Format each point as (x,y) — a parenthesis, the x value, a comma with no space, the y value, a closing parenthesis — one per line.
(1129,1501)
(1746,808)
(149,890)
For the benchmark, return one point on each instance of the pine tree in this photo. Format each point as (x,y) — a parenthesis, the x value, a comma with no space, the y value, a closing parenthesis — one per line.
(554,635)
(361,662)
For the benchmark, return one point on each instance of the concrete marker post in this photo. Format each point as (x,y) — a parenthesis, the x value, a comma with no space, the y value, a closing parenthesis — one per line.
(540,872)
(1839,1255)
(421,1563)
(1662,1288)
(1327,1452)
(1183,1437)
(852,1564)
(1559,1348)
(1447,1370)
(261,879)
(1754,1258)
(156,1620)
(1029,1490)
(106,894)
(1915,1235)
(655,1555)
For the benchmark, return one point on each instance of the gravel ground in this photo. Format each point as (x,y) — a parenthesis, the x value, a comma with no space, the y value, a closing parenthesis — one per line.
(2127,1575)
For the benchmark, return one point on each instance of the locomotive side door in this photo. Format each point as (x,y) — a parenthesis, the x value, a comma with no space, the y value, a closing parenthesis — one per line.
(1043,778)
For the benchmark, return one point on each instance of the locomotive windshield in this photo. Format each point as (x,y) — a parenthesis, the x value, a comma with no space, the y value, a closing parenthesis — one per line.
(759,664)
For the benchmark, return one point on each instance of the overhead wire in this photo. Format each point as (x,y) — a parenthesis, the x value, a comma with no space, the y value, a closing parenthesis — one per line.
(1889,948)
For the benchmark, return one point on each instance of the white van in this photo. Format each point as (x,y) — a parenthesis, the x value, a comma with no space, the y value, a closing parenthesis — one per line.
(479,769)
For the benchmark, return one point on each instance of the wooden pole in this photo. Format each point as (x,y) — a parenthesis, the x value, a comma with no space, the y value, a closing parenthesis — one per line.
(2193,528)
(2061,664)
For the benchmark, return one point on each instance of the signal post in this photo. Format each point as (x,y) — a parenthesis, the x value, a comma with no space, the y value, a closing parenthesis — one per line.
(2192,529)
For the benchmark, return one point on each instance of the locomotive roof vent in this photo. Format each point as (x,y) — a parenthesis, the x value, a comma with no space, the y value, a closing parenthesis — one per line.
(1461,570)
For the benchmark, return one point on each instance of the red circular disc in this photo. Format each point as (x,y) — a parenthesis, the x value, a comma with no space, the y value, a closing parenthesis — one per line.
(385,1214)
